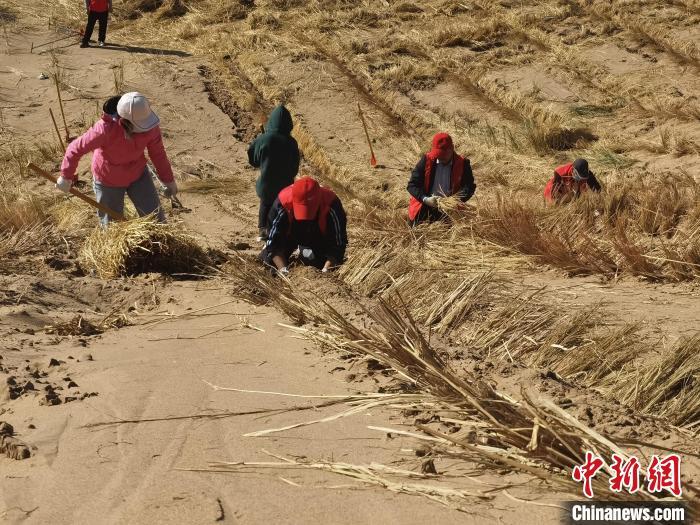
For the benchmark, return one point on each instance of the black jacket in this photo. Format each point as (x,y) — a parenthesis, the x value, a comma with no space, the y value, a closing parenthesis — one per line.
(416,184)
(284,239)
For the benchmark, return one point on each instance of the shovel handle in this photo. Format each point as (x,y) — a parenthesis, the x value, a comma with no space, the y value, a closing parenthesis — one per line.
(74,191)
(364,125)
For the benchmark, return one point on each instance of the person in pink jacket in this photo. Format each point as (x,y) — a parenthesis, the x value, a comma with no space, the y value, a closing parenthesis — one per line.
(118,140)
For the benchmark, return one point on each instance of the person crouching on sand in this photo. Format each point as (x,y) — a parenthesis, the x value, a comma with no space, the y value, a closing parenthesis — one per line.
(439,173)
(309,218)
(569,181)
(128,127)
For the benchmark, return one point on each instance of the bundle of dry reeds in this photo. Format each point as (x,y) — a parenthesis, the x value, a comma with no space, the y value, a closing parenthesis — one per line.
(140,246)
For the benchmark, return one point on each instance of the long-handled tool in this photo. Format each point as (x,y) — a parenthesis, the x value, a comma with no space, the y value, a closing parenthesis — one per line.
(60,105)
(372,159)
(92,202)
(58,133)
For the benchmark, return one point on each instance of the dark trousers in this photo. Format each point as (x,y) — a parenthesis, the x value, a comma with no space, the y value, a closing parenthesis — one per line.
(92,18)
(263,212)
(429,214)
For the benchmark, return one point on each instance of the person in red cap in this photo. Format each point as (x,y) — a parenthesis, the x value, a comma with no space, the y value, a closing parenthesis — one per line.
(310,218)
(440,173)
(569,181)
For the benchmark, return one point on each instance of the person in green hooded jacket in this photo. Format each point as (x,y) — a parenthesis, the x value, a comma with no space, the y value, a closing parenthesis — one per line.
(276,153)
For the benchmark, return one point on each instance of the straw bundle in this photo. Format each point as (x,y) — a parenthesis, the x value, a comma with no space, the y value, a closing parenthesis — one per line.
(455,209)
(141,246)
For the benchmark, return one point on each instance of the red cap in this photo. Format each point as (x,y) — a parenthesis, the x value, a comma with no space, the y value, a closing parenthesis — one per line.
(306,198)
(442,143)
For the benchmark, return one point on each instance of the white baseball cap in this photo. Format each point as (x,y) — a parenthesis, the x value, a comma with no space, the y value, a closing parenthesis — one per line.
(135,108)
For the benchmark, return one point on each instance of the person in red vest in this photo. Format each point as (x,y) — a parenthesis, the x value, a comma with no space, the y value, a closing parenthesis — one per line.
(310,218)
(440,173)
(97,11)
(569,181)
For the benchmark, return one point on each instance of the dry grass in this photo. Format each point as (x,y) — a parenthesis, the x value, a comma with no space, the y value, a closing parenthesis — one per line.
(486,313)
(77,326)
(449,276)
(529,229)
(530,437)
(684,51)
(648,230)
(142,246)
(475,35)
(389,478)
(664,385)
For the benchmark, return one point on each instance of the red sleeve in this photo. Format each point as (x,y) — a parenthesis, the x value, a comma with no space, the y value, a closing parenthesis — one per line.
(156,151)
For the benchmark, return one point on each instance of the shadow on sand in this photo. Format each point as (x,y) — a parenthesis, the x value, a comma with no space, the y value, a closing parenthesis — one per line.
(147,50)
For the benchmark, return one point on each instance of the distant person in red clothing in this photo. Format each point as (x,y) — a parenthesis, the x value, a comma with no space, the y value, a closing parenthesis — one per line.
(569,181)
(97,11)
(440,173)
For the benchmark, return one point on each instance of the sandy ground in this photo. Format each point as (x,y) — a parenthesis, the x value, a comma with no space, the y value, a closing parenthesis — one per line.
(89,463)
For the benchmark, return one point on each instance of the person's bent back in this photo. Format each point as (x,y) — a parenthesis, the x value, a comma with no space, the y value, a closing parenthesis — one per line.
(569,182)
(310,218)
(127,128)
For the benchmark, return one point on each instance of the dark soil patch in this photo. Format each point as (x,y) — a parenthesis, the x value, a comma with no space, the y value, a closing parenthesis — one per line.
(245,124)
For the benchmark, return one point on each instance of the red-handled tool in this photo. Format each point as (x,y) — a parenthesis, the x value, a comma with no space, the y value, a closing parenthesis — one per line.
(372,159)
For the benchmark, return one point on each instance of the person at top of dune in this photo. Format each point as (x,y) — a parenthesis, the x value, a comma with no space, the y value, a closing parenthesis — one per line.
(276,153)
(309,218)
(569,181)
(118,140)
(97,11)
(440,173)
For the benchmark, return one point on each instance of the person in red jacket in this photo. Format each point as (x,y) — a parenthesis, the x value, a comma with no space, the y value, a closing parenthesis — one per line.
(97,11)
(440,173)
(569,181)
(309,218)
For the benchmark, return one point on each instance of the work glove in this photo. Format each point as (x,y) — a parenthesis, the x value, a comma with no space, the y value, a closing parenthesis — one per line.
(64,184)
(431,201)
(170,189)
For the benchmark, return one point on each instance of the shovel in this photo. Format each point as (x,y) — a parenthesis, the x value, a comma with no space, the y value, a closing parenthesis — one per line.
(92,202)
(372,159)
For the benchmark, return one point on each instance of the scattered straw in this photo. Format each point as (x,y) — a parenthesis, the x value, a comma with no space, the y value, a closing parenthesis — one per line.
(76,326)
(372,474)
